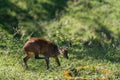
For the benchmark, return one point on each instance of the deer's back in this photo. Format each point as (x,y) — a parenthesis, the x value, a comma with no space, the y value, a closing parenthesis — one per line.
(41,46)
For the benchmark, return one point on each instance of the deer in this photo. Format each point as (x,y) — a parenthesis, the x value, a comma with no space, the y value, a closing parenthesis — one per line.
(39,46)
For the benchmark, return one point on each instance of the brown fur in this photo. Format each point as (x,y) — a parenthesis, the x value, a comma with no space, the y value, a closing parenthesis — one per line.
(41,46)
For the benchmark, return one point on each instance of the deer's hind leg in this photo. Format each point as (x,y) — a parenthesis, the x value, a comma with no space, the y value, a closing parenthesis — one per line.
(25,59)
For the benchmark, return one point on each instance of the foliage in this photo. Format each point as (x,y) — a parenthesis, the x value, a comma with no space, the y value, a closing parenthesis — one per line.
(90,28)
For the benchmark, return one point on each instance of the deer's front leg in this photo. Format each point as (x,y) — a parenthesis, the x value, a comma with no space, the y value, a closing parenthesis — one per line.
(47,62)
(57,61)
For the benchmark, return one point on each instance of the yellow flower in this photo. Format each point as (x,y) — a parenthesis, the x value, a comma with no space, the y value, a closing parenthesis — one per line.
(106,71)
(69,78)
(96,68)
(102,79)
(67,75)
(66,72)
(82,67)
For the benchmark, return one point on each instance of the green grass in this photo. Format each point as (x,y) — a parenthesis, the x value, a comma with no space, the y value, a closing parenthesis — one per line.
(12,66)
(92,27)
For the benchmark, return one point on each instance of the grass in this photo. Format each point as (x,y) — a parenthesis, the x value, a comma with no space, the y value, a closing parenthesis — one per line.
(12,67)
(89,27)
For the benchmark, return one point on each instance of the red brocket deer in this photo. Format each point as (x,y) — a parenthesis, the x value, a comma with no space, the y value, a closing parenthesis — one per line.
(46,48)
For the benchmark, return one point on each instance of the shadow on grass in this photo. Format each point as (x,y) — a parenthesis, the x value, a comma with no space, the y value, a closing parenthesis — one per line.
(96,50)
(11,14)
(7,18)
(104,47)
(54,9)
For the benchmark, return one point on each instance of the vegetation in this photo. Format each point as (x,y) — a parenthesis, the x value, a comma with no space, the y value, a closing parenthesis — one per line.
(91,29)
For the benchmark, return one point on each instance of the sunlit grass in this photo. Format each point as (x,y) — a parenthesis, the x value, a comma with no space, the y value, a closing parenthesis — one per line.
(84,21)
(12,68)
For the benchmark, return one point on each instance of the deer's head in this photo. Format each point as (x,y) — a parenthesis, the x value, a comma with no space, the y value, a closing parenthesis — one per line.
(64,52)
